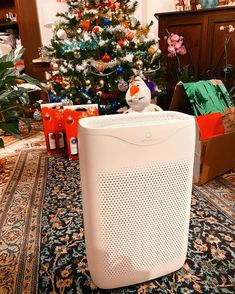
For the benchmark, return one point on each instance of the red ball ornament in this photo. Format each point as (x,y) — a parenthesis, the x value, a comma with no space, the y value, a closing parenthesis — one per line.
(96,29)
(85,25)
(121,43)
(106,58)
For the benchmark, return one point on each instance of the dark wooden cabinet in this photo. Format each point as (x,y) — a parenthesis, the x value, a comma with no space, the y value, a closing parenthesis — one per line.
(26,27)
(205,43)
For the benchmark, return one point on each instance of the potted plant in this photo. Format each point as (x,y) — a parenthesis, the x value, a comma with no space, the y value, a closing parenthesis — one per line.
(14,95)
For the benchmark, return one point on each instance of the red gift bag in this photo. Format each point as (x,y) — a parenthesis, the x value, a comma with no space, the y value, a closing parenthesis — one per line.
(54,127)
(72,115)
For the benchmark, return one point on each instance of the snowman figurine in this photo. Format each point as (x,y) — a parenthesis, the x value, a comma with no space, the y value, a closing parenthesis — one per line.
(138,97)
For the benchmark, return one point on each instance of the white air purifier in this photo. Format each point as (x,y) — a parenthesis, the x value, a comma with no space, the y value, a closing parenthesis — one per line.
(136,175)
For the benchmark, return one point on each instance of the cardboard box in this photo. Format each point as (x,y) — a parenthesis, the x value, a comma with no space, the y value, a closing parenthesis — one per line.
(213,156)
(54,127)
(72,115)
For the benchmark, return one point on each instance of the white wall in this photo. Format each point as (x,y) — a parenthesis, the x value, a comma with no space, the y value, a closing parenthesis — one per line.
(47,10)
(150,7)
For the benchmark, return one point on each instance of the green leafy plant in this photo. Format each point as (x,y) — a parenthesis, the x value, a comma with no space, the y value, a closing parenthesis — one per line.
(14,95)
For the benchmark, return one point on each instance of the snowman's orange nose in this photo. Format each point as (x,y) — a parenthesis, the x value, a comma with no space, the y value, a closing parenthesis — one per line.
(133,90)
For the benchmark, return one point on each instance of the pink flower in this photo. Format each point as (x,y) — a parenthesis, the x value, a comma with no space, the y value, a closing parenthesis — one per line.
(175,37)
(182,50)
(171,50)
(176,46)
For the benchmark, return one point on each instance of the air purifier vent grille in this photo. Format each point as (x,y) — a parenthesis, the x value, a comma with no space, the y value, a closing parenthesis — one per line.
(144,205)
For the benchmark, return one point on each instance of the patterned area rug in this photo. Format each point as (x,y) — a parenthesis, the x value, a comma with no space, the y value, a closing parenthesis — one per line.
(13,147)
(42,247)
(221,193)
(20,218)
(210,264)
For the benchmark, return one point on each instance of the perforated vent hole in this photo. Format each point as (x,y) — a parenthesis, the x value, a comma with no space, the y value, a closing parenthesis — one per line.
(143,213)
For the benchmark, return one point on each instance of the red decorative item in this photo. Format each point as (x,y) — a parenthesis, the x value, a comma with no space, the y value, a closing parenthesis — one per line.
(57,79)
(121,43)
(106,58)
(210,125)
(69,120)
(130,35)
(47,116)
(96,29)
(72,115)
(54,127)
(126,25)
(85,25)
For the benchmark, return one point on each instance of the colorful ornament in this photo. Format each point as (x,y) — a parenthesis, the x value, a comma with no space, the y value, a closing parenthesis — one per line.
(121,43)
(65,84)
(106,58)
(126,25)
(119,70)
(123,86)
(85,24)
(66,102)
(151,50)
(152,86)
(61,34)
(37,115)
(97,29)
(139,64)
(107,21)
(143,32)
(100,66)
(87,83)
(130,35)
(77,54)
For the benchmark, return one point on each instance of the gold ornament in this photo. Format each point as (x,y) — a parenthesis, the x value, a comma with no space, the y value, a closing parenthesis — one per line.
(65,84)
(139,64)
(87,83)
(143,31)
(77,54)
(151,50)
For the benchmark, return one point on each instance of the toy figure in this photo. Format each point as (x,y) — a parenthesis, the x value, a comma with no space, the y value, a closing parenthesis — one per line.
(180,5)
(138,97)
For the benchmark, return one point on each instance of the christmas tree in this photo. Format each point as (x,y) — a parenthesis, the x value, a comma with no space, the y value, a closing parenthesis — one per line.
(98,46)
